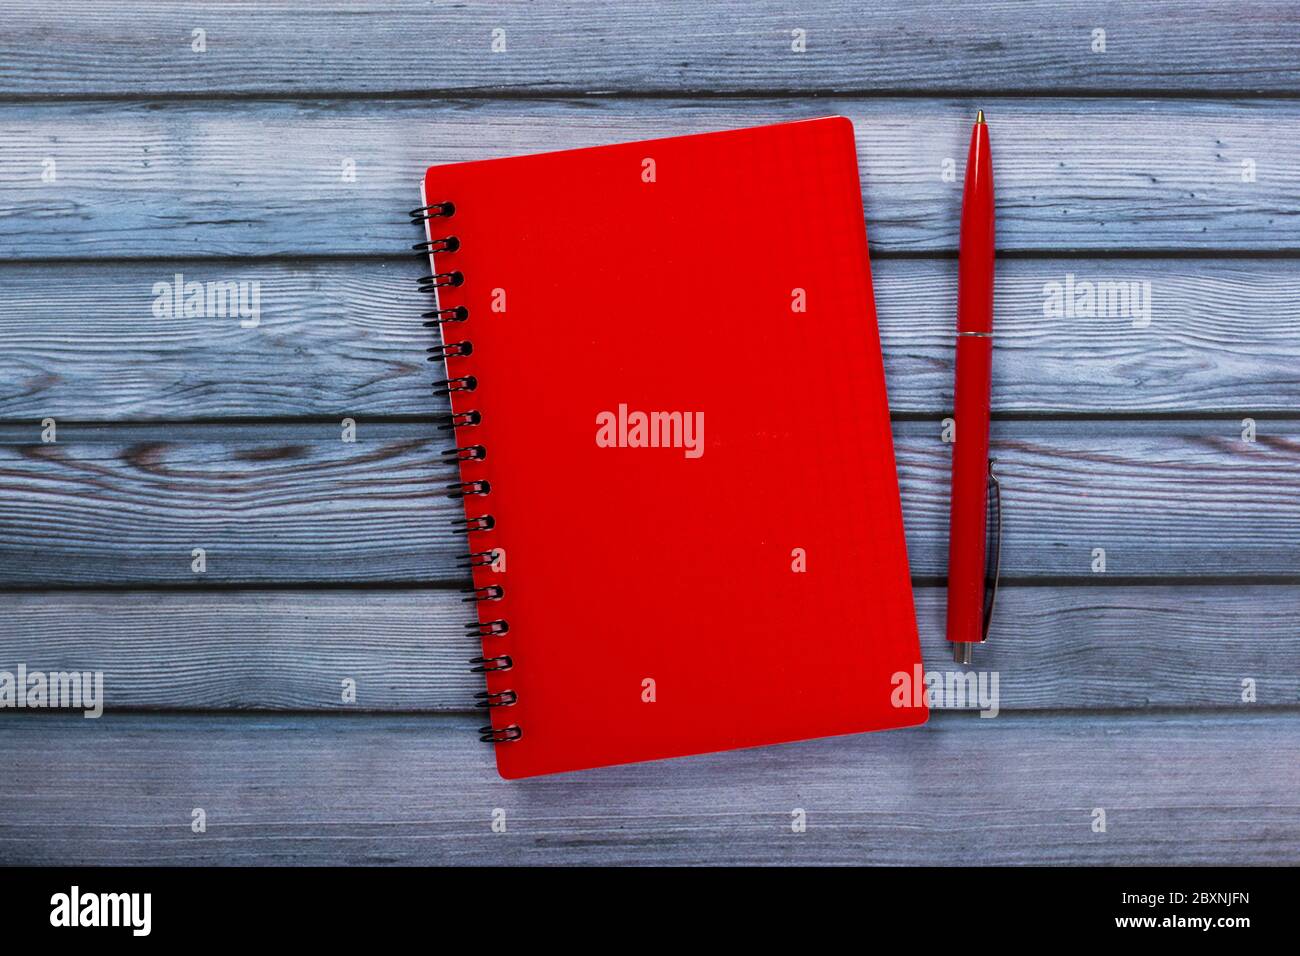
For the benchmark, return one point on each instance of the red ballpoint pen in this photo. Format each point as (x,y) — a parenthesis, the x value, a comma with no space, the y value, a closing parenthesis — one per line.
(968,615)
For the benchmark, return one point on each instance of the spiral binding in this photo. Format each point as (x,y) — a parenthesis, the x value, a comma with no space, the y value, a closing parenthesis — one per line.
(440,317)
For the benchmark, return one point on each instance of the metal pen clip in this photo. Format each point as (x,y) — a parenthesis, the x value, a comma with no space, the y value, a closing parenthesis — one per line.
(993,560)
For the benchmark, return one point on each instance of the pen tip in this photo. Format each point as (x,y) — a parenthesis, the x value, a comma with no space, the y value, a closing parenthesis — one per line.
(979,117)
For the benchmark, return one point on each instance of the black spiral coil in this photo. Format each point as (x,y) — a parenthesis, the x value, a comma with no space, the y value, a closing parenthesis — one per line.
(440,317)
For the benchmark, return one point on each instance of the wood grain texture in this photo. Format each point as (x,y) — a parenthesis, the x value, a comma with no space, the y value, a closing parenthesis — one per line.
(1052,647)
(228,164)
(626,46)
(175,179)
(1223,335)
(294,503)
(126,505)
(422,790)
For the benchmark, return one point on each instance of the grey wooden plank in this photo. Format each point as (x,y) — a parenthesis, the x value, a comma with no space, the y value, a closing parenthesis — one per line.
(1145,646)
(189,178)
(1176,789)
(1220,335)
(283,503)
(293,503)
(1035,46)
(278,650)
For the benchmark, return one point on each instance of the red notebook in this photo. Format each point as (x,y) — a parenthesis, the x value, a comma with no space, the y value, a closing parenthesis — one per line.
(675,448)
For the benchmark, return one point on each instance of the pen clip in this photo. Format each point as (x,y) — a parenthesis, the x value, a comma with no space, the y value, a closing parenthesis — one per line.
(994,557)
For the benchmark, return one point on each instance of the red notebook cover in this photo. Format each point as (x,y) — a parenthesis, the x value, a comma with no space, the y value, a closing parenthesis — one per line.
(680,401)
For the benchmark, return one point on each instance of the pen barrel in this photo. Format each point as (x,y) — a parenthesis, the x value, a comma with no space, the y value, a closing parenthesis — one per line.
(975,261)
(968,520)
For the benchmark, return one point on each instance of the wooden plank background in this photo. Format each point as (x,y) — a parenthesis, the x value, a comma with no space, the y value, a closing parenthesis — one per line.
(627,47)
(1169,158)
(292,502)
(420,790)
(1220,340)
(1056,646)
(265,178)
